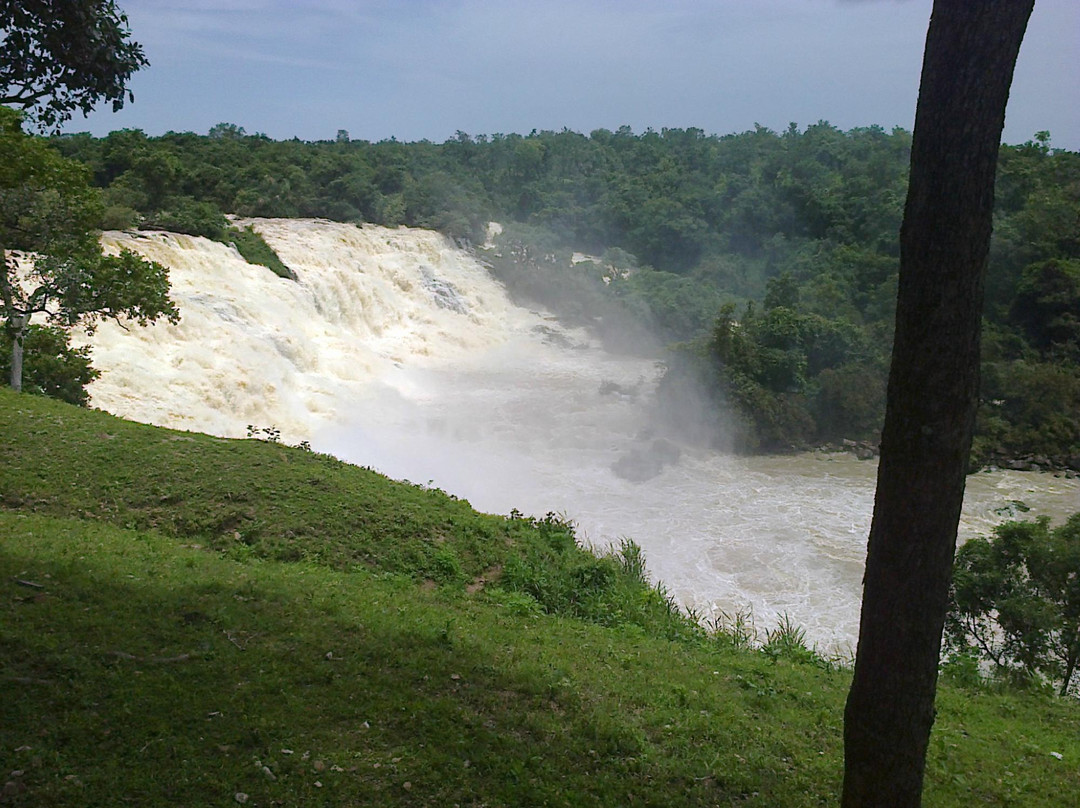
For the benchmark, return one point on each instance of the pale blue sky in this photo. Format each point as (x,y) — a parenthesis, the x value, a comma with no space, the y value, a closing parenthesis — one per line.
(423,69)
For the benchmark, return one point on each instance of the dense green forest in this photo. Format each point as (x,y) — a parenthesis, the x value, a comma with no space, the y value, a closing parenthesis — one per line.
(765,261)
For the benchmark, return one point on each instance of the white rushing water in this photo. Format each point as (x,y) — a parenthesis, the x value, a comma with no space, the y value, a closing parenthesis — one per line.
(396,350)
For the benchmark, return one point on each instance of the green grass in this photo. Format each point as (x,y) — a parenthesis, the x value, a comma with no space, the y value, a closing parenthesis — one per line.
(255,250)
(244,497)
(404,649)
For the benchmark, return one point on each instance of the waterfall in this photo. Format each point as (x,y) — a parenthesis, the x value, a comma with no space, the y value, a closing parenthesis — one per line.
(252,348)
(395,349)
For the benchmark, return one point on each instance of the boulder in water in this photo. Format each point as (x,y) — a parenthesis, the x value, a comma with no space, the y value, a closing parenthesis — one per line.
(443,292)
(643,463)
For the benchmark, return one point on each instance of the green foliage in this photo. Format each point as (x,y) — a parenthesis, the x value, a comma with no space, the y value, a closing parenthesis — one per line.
(47,206)
(56,58)
(788,641)
(445,566)
(538,269)
(51,366)
(1029,408)
(797,378)
(1047,307)
(1016,600)
(184,214)
(119,217)
(270,501)
(674,306)
(47,202)
(358,689)
(256,251)
(850,401)
(611,589)
(110,286)
(803,223)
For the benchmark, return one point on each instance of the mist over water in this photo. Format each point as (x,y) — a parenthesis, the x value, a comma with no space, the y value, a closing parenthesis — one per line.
(396,350)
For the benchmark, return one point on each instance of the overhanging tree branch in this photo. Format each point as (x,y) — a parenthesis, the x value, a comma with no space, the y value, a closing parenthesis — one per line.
(75,53)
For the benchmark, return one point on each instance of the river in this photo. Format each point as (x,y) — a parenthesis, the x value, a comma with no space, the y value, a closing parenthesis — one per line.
(396,350)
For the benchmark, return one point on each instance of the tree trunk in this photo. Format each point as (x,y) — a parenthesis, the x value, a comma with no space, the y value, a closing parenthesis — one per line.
(17,358)
(15,330)
(16,322)
(971,49)
(1070,669)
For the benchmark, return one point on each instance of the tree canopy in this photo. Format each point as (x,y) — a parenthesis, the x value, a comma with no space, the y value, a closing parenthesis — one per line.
(1016,600)
(678,224)
(52,264)
(59,56)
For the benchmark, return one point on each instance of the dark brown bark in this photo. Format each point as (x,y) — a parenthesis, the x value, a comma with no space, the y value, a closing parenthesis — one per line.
(971,49)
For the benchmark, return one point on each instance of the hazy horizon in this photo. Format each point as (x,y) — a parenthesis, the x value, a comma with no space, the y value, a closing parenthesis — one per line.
(426,69)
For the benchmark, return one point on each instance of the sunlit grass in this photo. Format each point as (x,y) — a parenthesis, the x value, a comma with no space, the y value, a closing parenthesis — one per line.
(323,663)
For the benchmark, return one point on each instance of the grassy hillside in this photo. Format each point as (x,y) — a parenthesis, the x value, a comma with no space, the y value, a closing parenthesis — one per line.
(195,621)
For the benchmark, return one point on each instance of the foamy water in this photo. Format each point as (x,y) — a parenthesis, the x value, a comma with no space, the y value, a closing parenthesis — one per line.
(398,351)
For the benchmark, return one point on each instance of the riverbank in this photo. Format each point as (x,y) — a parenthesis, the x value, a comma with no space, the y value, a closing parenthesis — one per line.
(1065,466)
(209,621)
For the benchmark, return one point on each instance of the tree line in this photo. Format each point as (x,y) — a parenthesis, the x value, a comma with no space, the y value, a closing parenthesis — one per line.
(769,258)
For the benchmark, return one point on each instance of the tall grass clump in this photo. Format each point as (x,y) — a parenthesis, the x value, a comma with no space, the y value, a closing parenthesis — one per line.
(255,250)
(610,589)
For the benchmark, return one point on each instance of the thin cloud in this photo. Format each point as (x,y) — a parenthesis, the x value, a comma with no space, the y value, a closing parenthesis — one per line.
(423,69)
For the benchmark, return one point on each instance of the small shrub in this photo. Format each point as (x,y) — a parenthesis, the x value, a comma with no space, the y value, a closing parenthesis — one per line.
(445,566)
(632,560)
(516,603)
(788,641)
(51,367)
(963,669)
(255,250)
(736,628)
(119,217)
(611,589)
(1015,601)
(592,578)
(184,214)
(270,434)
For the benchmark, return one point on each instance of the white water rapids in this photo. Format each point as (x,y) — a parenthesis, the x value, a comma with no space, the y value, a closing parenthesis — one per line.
(396,350)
